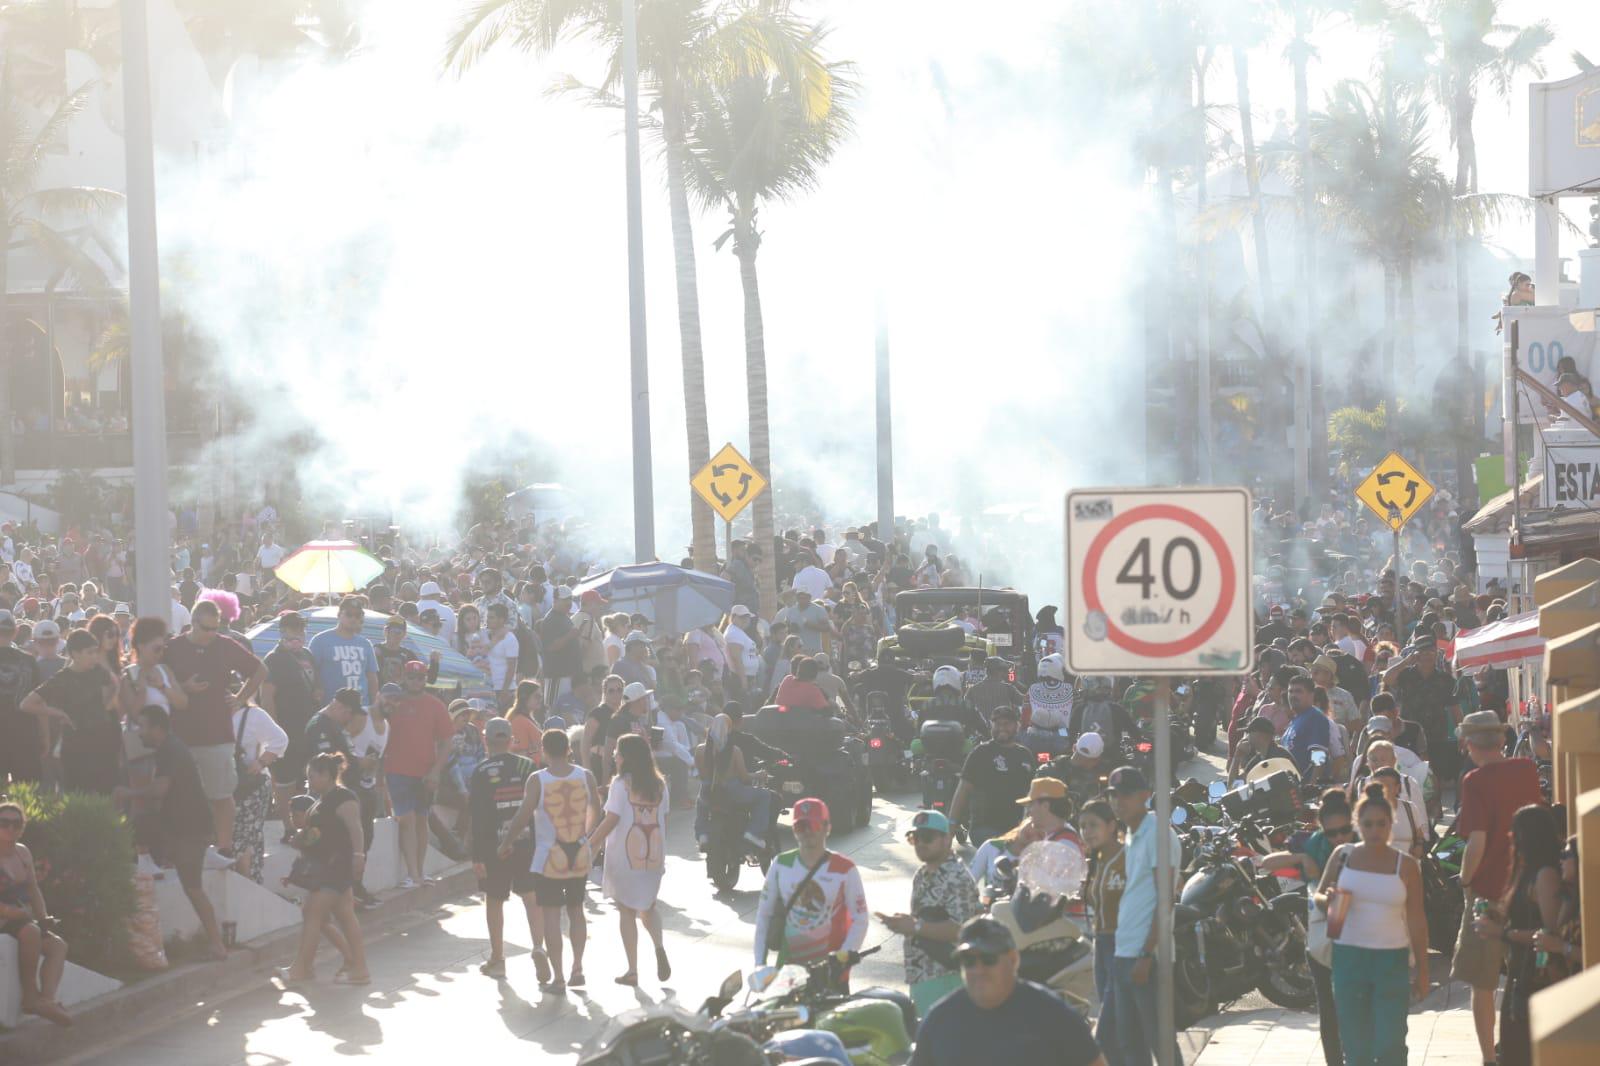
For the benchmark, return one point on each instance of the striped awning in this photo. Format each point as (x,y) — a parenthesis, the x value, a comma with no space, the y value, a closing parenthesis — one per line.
(1507,642)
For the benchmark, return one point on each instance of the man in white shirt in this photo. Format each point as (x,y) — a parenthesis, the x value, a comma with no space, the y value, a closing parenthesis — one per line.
(431,597)
(675,757)
(1341,628)
(270,554)
(180,613)
(814,581)
(504,649)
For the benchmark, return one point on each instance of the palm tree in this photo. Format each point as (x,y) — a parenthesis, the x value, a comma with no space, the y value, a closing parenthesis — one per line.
(31,218)
(681,45)
(751,141)
(1474,47)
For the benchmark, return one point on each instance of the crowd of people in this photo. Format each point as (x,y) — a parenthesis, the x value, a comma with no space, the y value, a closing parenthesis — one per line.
(589,728)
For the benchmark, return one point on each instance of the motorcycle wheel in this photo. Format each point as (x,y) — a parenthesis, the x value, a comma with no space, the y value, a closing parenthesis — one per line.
(1289,983)
(1191,989)
(864,804)
(723,866)
(883,776)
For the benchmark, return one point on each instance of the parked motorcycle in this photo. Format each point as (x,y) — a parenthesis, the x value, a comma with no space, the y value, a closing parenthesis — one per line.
(1055,952)
(1441,890)
(1237,930)
(668,1035)
(803,1009)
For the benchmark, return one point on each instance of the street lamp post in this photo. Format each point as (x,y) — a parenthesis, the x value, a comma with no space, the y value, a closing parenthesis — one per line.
(152,576)
(644,522)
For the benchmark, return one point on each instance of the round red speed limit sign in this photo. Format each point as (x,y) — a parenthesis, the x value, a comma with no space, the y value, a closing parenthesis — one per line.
(1158,581)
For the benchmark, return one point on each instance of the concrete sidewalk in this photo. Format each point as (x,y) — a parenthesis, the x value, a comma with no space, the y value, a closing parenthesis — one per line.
(1440,1032)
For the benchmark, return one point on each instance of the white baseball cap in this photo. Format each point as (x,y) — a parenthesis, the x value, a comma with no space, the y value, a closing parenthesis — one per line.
(46,629)
(740,611)
(635,691)
(1090,746)
(430,589)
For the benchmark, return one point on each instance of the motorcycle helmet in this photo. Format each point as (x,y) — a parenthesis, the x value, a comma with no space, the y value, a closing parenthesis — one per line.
(947,677)
(1099,686)
(1051,668)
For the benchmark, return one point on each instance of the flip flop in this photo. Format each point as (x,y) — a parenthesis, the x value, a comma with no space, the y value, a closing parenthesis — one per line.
(630,979)
(576,980)
(353,979)
(554,988)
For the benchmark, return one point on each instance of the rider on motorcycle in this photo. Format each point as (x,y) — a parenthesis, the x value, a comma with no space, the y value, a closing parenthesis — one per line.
(1048,716)
(1097,711)
(994,776)
(949,705)
(1084,771)
(994,687)
(886,677)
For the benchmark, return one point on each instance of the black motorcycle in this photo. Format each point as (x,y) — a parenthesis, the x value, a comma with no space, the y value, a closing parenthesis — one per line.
(826,760)
(728,852)
(1237,930)
(943,752)
(888,760)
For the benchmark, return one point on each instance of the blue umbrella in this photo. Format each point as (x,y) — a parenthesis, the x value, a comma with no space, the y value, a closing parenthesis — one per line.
(453,666)
(674,599)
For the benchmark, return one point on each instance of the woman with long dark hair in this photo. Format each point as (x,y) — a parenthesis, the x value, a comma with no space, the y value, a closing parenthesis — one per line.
(331,842)
(527,719)
(1373,896)
(109,636)
(637,810)
(1532,904)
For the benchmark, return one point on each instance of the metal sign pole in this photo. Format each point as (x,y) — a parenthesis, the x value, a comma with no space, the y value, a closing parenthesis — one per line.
(1165,1022)
(1398,578)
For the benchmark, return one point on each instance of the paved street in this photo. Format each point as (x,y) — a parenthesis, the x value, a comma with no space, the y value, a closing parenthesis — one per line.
(428,998)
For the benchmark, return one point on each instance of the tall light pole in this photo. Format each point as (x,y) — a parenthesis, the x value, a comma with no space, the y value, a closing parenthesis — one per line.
(644,516)
(152,577)
(885,432)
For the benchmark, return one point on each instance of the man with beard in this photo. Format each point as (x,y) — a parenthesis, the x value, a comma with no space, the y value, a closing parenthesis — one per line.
(994,777)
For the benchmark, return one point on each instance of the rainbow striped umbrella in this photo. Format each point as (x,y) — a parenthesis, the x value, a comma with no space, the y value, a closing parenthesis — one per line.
(329,566)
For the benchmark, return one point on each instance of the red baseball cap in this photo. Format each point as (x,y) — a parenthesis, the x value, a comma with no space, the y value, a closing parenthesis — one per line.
(414,666)
(592,596)
(811,813)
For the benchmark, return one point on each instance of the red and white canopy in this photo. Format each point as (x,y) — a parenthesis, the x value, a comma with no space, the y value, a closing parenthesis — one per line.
(1508,642)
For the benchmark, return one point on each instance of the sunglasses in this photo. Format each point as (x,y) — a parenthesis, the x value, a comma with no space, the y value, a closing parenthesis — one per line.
(10,823)
(968,959)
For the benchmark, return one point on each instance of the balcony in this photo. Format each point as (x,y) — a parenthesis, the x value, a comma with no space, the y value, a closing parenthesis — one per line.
(61,450)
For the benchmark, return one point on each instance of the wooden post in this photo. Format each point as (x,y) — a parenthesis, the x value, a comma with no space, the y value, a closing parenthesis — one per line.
(1588,816)
(1565,1019)
(1566,609)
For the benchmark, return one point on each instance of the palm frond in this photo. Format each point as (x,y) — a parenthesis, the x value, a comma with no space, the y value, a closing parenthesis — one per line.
(111,347)
(68,262)
(25,154)
(72,200)
(530,26)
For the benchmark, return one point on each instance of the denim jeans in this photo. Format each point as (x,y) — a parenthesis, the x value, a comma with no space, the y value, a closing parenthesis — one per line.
(1372,993)
(1105,1029)
(1136,1013)
(758,800)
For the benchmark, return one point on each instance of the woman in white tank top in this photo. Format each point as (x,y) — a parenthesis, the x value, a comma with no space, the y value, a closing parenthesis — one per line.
(1383,924)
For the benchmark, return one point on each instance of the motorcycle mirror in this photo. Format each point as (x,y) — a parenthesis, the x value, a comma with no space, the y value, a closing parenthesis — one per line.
(1318,756)
(1216,790)
(731,986)
(1180,815)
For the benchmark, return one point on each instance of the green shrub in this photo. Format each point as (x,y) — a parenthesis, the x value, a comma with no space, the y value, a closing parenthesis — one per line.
(83,849)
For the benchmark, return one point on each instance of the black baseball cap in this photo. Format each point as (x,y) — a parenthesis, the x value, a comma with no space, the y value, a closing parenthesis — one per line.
(1127,779)
(1259,724)
(1005,710)
(350,697)
(985,935)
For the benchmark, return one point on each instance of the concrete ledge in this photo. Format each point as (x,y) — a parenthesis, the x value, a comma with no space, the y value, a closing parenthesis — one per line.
(78,985)
(185,984)
(254,911)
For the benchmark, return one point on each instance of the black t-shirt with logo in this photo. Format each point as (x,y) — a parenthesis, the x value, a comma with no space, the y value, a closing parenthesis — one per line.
(1031,1026)
(324,734)
(999,774)
(494,794)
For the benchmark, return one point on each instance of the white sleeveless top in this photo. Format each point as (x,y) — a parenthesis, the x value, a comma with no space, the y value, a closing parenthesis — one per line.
(1377,916)
(560,819)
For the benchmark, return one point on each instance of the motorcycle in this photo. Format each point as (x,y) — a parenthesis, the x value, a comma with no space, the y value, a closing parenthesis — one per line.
(1055,952)
(825,760)
(1236,929)
(668,1035)
(887,758)
(804,1014)
(943,750)
(728,853)
(1441,890)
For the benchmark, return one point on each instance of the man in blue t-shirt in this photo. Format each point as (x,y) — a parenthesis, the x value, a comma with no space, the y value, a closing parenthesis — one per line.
(994,1017)
(344,658)
(1308,727)
(1133,967)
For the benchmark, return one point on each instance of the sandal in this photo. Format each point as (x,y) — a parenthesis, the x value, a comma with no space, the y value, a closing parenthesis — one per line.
(576,980)
(286,978)
(353,979)
(541,966)
(554,988)
(630,979)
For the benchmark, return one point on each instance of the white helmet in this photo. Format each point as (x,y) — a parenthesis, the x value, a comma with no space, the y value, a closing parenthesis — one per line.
(947,676)
(1052,668)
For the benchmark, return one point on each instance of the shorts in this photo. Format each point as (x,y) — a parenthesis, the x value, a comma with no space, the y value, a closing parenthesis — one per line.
(1477,960)
(219,776)
(505,876)
(13,928)
(408,795)
(321,879)
(558,891)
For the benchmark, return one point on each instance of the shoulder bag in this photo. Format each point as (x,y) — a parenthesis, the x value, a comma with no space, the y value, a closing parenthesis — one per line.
(780,913)
(1318,947)
(248,782)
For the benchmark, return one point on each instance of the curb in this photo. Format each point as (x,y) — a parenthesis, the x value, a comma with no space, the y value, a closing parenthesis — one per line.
(185,986)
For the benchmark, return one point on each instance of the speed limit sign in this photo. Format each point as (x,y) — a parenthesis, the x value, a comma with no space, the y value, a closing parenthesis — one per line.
(1158,581)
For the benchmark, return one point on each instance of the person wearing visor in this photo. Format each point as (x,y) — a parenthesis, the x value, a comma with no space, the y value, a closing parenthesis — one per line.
(996,1016)
(943,896)
(813,903)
